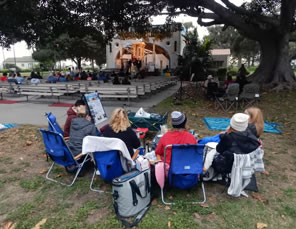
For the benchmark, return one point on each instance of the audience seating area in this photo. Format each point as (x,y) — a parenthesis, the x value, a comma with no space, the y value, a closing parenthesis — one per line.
(232,98)
(137,88)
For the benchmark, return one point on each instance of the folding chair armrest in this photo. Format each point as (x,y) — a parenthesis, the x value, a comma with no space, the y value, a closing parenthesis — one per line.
(78,156)
(135,154)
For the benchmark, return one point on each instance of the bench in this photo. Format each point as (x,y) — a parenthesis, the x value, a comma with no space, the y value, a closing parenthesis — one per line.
(113,91)
(3,90)
(40,91)
(66,87)
(11,87)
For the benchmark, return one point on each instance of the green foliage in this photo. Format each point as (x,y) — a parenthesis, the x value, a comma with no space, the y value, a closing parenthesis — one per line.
(9,66)
(233,68)
(240,46)
(252,68)
(85,44)
(221,73)
(4,70)
(26,70)
(196,56)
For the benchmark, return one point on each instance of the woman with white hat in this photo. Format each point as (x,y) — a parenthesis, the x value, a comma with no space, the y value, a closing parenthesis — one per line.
(236,139)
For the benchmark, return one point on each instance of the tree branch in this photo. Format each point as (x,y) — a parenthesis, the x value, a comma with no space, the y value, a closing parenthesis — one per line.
(3,2)
(287,15)
(230,18)
(209,16)
(210,23)
(240,10)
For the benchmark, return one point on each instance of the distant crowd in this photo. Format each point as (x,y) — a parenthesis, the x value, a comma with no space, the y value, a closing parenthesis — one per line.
(70,75)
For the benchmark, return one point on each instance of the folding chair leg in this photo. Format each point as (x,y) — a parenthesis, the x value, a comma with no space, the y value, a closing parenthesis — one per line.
(74,179)
(91,183)
(162,198)
(172,203)
(204,195)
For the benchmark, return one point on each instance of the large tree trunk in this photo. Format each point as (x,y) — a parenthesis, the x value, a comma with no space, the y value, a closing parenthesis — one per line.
(78,59)
(275,69)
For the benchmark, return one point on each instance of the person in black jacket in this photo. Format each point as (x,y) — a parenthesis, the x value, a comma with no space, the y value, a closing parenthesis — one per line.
(119,127)
(237,139)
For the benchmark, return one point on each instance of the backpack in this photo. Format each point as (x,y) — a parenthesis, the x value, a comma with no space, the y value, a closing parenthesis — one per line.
(222,162)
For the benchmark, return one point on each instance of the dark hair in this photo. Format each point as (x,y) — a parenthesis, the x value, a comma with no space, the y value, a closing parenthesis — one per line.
(229,77)
(79,102)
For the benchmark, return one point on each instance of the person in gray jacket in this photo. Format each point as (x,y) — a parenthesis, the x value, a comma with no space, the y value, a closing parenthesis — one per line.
(80,128)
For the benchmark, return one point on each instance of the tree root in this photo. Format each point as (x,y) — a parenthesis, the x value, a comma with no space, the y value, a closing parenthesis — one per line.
(281,86)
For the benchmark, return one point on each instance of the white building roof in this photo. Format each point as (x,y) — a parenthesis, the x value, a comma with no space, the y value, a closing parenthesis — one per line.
(220,52)
(20,59)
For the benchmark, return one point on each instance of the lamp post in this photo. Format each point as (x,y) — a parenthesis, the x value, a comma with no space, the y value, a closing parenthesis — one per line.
(14,57)
(55,55)
(3,58)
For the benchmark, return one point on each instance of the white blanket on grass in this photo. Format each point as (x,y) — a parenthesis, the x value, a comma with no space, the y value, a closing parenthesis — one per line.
(99,144)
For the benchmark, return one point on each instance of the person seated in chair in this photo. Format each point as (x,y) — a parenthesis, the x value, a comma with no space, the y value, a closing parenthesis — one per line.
(228,81)
(256,121)
(125,81)
(72,113)
(236,139)
(209,79)
(52,78)
(178,135)
(119,127)
(12,78)
(116,80)
(19,78)
(4,77)
(81,126)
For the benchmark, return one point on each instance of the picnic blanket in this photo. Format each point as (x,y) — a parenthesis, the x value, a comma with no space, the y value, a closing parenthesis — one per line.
(223,123)
(6,126)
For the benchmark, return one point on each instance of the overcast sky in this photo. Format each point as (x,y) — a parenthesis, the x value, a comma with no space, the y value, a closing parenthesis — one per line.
(21,48)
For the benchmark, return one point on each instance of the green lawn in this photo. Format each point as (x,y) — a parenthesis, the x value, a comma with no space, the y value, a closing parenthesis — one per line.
(26,197)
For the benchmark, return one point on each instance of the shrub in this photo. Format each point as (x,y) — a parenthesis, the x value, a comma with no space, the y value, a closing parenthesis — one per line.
(233,68)
(221,73)
(26,70)
(232,73)
(252,69)
(4,70)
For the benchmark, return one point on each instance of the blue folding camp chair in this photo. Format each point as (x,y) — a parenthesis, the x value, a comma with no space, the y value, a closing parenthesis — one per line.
(53,124)
(109,166)
(59,152)
(186,168)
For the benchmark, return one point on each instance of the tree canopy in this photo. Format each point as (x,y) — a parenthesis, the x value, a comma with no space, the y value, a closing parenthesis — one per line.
(269,22)
(196,56)
(240,46)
